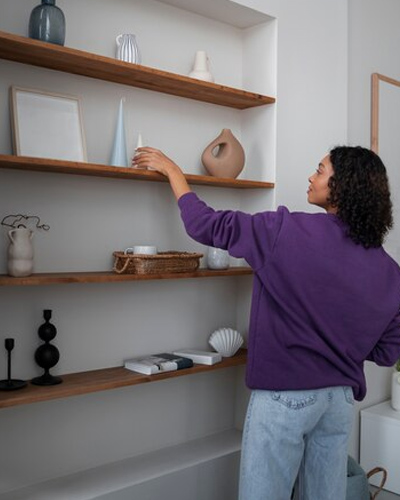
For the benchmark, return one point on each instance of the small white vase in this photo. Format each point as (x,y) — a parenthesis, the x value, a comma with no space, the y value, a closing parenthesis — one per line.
(217,258)
(395,401)
(201,67)
(20,252)
(139,144)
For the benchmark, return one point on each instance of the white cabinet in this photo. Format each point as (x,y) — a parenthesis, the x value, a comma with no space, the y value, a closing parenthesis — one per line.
(379,444)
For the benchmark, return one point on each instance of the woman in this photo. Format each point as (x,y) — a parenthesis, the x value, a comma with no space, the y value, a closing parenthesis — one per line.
(326,298)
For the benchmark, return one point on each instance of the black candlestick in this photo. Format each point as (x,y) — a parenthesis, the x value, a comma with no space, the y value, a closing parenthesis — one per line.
(10,384)
(47,355)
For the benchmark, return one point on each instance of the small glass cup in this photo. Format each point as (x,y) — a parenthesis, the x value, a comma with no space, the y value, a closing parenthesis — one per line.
(217,258)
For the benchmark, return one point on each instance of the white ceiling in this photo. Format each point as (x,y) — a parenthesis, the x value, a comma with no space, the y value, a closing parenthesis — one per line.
(226,11)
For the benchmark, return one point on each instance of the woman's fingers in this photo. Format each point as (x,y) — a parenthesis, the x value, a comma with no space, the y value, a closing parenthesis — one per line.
(150,157)
(143,160)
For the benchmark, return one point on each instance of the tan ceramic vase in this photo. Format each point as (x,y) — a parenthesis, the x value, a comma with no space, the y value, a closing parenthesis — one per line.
(229,159)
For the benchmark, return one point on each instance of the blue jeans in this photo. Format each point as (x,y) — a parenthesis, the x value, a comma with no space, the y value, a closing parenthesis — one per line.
(290,434)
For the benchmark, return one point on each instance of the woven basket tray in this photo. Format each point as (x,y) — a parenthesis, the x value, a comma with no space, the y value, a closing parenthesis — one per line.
(163,262)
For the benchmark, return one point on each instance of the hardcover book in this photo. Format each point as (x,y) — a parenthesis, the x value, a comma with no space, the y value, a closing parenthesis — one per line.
(200,357)
(158,363)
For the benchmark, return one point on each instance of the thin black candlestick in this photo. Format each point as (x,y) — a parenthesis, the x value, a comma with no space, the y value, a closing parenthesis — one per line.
(10,384)
(9,344)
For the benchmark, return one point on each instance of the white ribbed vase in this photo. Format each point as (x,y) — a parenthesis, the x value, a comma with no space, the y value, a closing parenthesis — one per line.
(127,48)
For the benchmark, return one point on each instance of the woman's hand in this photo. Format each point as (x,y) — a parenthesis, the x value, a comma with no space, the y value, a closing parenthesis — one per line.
(149,157)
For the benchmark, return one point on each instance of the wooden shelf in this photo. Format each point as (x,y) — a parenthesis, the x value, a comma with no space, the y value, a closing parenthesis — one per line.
(46,55)
(92,169)
(76,384)
(111,277)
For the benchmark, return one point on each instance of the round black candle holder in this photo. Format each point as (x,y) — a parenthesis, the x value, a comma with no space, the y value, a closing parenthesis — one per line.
(47,355)
(10,384)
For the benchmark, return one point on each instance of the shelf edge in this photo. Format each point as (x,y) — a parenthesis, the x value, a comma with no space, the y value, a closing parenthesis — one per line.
(111,277)
(31,164)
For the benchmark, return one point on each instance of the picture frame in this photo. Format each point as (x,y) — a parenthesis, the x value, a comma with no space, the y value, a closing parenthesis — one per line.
(47,125)
(385,126)
(377,80)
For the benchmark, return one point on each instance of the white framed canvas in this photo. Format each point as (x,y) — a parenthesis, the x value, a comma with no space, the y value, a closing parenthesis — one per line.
(47,125)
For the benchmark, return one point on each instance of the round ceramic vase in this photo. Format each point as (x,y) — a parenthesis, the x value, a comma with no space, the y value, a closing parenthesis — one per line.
(229,159)
(217,258)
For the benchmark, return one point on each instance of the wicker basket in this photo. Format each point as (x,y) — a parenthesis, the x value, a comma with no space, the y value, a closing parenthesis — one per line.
(163,262)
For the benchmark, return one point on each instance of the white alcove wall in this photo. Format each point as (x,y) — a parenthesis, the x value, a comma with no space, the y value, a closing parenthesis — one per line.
(100,325)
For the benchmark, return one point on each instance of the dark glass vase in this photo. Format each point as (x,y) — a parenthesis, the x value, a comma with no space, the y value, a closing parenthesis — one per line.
(47,23)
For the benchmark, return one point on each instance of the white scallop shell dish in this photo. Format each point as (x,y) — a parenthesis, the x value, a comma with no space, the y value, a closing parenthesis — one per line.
(226,341)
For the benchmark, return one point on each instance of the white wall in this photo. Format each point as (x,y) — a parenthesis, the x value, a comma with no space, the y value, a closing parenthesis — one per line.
(100,325)
(373,42)
(374,39)
(323,66)
(311,89)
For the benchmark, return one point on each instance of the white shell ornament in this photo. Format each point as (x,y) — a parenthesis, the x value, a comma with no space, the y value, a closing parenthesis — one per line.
(226,341)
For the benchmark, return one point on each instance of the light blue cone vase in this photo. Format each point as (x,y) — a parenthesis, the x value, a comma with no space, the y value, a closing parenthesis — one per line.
(119,157)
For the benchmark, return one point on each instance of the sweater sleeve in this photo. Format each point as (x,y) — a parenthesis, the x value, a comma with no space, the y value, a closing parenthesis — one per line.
(251,237)
(387,351)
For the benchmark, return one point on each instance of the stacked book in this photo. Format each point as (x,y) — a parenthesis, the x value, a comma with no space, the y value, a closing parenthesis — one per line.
(168,362)
(158,363)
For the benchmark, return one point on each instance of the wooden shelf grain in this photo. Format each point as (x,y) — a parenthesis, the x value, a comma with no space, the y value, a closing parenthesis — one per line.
(46,55)
(91,169)
(111,277)
(75,384)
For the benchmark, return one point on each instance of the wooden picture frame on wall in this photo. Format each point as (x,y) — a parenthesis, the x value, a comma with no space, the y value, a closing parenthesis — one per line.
(375,89)
(47,125)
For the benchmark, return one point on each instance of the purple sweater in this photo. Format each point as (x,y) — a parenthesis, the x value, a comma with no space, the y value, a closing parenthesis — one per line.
(321,304)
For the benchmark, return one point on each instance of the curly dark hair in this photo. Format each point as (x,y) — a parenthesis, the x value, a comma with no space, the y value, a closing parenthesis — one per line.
(359,189)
